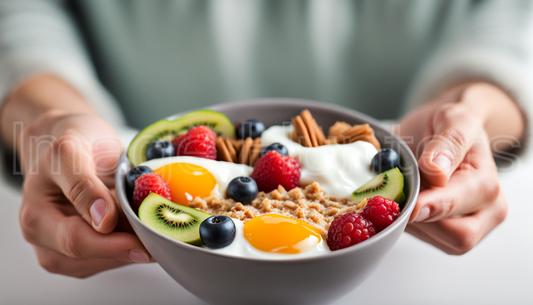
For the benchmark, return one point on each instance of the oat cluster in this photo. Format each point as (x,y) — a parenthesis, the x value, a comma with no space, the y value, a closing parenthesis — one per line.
(309,204)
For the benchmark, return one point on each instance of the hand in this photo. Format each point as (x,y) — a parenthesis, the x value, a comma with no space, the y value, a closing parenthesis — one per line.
(460,200)
(68,212)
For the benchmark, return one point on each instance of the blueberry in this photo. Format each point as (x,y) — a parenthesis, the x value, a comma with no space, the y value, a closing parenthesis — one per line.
(217,231)
(250,128)
(385,159)
(160,149)
(282,150)
(242,189)
(135,173)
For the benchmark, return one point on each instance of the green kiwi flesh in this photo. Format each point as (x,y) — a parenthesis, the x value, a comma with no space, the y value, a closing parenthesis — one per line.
(171,219)
(167,130)
(388,184)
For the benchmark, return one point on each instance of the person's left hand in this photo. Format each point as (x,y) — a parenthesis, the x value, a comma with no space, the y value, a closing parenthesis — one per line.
(460,200)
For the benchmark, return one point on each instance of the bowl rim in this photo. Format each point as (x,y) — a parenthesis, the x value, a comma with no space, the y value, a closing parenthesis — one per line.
(124,164)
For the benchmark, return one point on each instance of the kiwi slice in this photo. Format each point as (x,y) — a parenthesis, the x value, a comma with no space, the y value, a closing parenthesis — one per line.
(388,184)
(174,220)
(167,130)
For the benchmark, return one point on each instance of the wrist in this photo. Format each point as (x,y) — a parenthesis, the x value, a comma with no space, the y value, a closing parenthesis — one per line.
(499,114)
(34,98)
(484,100)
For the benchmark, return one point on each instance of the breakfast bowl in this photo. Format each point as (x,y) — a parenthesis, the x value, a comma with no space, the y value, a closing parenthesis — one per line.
(222,279)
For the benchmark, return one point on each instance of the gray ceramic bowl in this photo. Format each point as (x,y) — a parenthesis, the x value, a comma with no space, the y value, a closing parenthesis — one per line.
(220,279)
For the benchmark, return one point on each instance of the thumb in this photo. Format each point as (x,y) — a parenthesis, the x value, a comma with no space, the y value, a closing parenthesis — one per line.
(452,133)
(80,159)
(75,174)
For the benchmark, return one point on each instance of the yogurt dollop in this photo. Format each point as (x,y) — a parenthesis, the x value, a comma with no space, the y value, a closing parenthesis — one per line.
(340,169)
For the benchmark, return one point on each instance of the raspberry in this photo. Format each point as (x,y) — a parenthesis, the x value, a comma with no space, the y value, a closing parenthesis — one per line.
(197,142)
(349,229)
(273,169)
(176,142)
(381,212)
(146,184)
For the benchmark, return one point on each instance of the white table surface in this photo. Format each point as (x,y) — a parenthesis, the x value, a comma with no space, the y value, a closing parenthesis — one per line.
(498,271)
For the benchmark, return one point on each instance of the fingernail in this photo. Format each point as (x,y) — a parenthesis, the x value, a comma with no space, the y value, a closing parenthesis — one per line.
(137,256)
(423,214)
(98,210)
(443,162)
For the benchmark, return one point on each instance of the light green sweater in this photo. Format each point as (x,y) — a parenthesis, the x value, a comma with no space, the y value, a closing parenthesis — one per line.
(157,58)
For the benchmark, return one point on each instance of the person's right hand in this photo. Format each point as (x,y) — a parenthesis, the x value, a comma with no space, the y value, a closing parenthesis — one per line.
(68,211)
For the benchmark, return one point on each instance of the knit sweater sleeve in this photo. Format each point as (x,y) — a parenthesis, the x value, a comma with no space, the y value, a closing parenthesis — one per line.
(38,36)
(491,43)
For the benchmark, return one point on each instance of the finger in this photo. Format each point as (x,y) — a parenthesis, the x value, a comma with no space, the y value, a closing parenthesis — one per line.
(46,224)
(459,235)
(55,262)
(462,196)
(453,132)
(74,172)
(470,187)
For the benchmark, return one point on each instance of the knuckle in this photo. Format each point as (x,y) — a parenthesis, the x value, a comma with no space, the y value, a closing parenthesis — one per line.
(65,144)
(443,208)
(455,136)
(36,127)
(491,188)
(57,265)
(453,112)
(475,91)
(69,240)
(50,263)
(52,115)
(449,112)
(78,189)
(28,218)
(501,211)
(28,132)
(465,242)
(449,206)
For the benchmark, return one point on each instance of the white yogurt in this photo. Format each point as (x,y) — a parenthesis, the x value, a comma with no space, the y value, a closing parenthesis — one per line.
(340,169)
